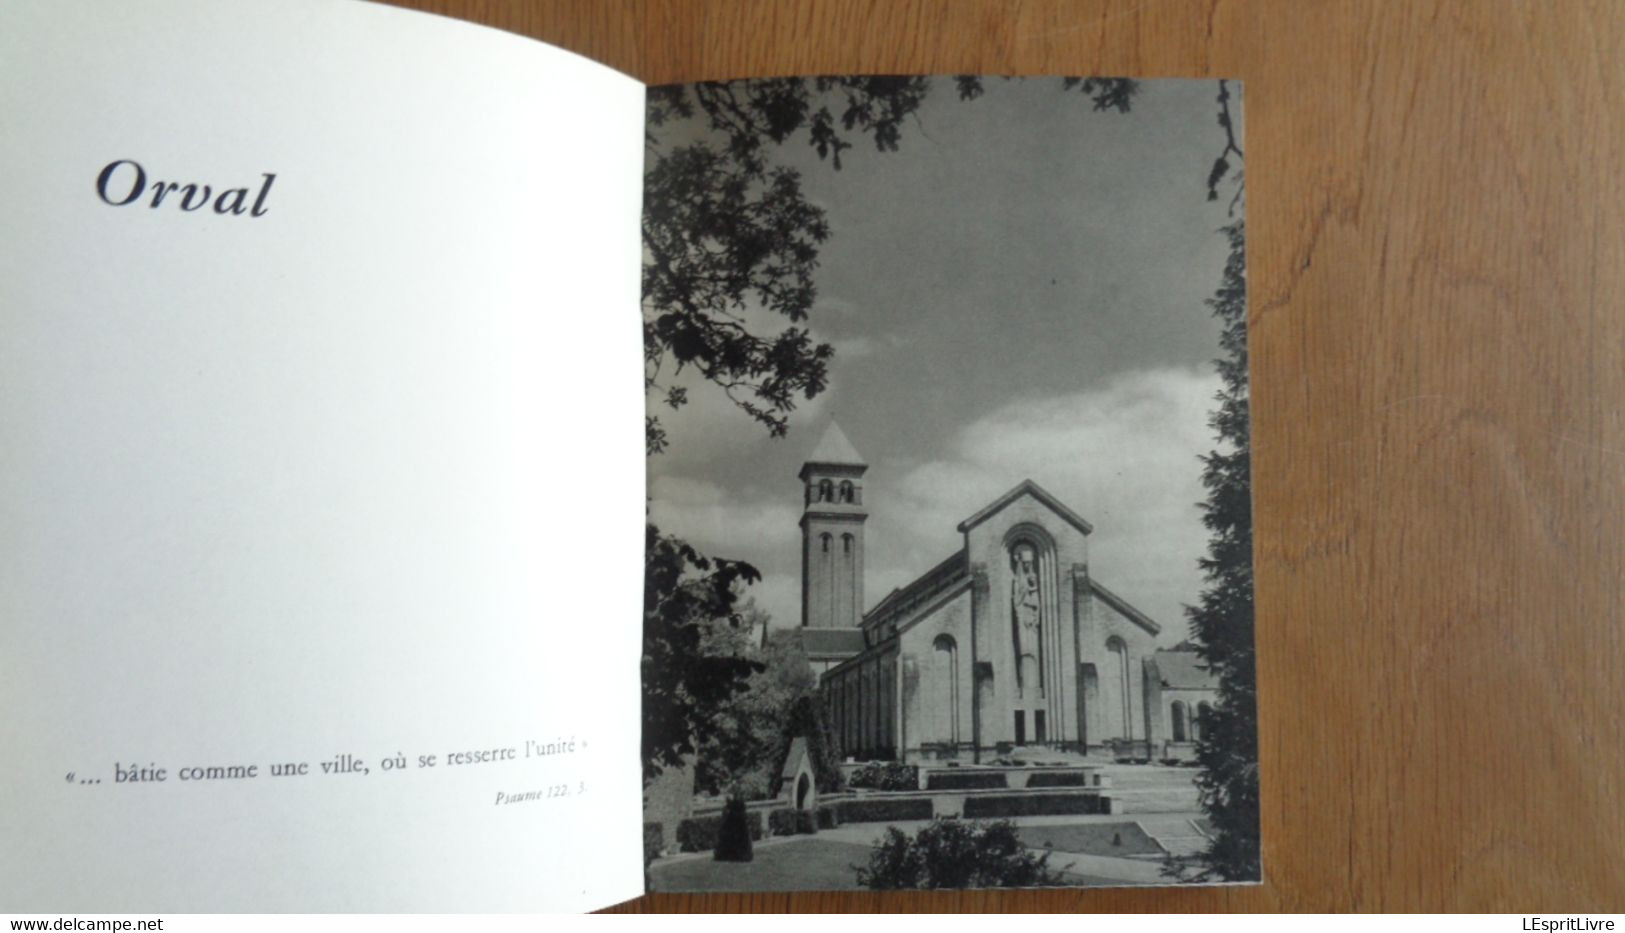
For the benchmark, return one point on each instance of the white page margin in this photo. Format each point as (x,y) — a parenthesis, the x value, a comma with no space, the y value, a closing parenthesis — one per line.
(279,488)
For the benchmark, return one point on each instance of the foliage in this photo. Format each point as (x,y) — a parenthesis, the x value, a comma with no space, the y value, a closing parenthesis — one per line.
(699,833)
(807,720)
(748,740)
(1034,804)
(1059,779)
(781,823)
(733,836)
(966,779)
(883,809)
(685,688)
(956,854)
(731,242)
(886,775)
(1223,621)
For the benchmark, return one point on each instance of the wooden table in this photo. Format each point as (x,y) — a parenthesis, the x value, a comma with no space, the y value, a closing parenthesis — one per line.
(1437,264)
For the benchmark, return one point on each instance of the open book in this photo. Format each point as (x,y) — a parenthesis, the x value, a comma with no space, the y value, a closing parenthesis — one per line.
(323,486)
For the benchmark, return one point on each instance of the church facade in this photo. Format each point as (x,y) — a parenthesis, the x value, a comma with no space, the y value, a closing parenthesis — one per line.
(1009,642)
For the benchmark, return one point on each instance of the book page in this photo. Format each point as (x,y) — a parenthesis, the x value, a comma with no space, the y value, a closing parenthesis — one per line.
(319,388)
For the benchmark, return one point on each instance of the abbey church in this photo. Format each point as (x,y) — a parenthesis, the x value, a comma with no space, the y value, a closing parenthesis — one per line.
(1008,642)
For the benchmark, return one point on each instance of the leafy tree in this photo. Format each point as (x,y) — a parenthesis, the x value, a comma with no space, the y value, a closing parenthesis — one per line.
(807,721)
(956,854)
(745,747)
(726,232)
(686,687)
(1227,749)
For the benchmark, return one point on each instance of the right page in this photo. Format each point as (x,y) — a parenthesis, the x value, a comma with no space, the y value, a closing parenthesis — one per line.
(949,570)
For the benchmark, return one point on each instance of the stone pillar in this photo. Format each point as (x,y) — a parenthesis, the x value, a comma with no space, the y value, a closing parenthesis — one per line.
(981,648)
(908,703)
(1078,613)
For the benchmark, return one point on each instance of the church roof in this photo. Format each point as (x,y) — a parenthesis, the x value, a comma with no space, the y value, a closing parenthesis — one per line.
(1027,488)
(1183,670)
(835,448)
(832,644)
(798,754)
(1121,605)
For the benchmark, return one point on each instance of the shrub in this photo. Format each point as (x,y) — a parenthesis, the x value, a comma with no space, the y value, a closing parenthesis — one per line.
(1059,779)
(699,834)
(733,837)
(966,780)
(828,818)
(806,823)
(781,823)
(956,854)
(886,775)
(1032,804)
(883,810)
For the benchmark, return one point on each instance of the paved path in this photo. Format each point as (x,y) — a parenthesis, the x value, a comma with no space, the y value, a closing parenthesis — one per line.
(1178,834)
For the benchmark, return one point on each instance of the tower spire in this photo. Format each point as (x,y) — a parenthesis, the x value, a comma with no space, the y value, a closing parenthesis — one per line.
(832,523)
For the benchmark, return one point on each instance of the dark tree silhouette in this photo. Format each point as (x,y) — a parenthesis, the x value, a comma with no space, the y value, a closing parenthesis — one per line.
(1223,621)
(685,687)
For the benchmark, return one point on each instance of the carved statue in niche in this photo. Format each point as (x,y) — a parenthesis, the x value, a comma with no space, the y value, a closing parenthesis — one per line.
(1024,596)
(1026,607)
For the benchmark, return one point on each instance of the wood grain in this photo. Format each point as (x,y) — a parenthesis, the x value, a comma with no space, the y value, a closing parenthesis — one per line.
(1437,326)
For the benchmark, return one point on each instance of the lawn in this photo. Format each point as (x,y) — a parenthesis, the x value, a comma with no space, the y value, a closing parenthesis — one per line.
(811,864)
(793,865)
(1091,839)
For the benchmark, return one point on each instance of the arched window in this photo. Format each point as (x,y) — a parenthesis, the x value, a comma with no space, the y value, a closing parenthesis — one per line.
(846,490)
(824,539)
(846,544)
(1177,714)
(826,490)
(1203,710)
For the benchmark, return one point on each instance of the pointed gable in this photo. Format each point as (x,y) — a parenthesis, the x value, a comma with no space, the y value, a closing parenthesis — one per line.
(834,448)
(1027,488)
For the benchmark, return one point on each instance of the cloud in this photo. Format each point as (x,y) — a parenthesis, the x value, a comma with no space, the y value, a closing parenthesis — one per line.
(1124,456)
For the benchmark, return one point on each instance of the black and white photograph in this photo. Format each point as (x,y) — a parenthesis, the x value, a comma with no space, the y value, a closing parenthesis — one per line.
(949,548)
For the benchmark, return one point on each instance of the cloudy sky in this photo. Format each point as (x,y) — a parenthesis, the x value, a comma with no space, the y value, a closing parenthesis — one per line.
(1017,293)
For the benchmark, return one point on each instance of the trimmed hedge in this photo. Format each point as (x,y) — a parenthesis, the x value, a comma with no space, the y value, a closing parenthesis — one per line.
(699,834)
(883,810)
(966,780)
(828,818)
(886,775)
(1032,805)
(789,822)
(781,823)
(1059,779)
(734,833)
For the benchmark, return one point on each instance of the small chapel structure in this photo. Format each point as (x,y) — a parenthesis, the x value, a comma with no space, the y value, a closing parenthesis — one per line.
(1009,642)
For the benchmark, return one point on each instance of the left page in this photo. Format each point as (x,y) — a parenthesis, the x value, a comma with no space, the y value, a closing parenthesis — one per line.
(318,384)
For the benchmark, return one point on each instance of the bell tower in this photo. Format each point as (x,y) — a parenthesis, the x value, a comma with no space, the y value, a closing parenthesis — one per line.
(832,520)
